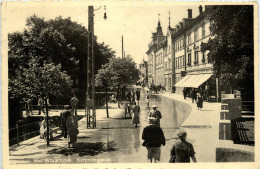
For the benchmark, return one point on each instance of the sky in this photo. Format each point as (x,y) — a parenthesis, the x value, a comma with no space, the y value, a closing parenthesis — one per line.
(135,21)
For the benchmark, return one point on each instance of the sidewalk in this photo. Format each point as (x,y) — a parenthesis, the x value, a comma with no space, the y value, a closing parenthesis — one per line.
(202,127)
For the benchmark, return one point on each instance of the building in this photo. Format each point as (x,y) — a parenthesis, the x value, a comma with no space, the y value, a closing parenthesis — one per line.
(160,58)
(143,68)
(178,60)
(193,68)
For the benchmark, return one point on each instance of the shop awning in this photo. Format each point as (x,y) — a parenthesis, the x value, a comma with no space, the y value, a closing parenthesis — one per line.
(203,79)
(179,83)
(193,80)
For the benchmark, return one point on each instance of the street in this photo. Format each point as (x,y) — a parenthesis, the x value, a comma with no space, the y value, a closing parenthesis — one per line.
(116,140)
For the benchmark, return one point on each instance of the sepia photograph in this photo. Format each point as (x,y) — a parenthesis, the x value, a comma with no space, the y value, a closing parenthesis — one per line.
(99,82)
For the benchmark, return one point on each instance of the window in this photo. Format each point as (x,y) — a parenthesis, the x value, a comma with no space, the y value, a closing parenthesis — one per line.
(203,57)
(196,58)
(203,30)
(183,60)
(189,59)
(189,39)
(196,36)
(175,63)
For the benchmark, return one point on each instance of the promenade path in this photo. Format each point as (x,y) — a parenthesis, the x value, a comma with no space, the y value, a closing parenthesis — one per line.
(116,140)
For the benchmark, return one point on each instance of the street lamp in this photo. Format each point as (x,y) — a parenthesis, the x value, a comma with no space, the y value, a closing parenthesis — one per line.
(90,95)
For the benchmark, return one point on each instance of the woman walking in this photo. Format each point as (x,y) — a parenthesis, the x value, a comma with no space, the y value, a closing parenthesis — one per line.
(182,150)
(200,102)
(72,127)
(136,112)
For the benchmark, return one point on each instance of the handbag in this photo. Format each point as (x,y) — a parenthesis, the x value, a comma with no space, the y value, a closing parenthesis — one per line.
(172,159)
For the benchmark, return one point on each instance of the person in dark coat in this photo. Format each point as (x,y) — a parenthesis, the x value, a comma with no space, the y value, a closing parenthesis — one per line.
(200,102)
(153,139)
(194,96)
(184,93)
(63,118)
(156,114)
(182,150)
(137,95)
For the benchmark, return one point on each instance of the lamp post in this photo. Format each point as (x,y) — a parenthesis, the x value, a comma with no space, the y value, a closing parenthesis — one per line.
(90,95)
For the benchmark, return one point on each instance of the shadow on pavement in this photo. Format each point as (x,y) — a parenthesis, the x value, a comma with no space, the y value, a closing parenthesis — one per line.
(83,149)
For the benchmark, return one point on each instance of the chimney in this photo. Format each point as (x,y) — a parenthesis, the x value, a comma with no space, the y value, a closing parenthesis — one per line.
(181,24)
(200,9)
(178,27)
(189,13)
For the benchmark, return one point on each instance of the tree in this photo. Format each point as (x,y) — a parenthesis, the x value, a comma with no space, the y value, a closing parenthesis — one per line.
(58,41)
(103,80)
(232,48)
(119,72)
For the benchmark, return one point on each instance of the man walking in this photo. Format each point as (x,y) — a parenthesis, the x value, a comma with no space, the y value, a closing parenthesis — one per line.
(127,108)
(153,139)
(156,114)
(63,118)
(40,104)
(74,103)
(137,96)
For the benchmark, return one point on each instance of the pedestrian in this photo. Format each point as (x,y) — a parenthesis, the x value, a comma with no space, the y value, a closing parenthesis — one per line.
(153,139)
(194,96)
(127,108)
(182,150)
(72,127)
(40,104)
(136,112)
(156,114)
(129,96)
(74,103)
(184,92)
(43,129)
(200,102)
(147,99)
(63,118)
(29,106)
(132,96)
(137,95)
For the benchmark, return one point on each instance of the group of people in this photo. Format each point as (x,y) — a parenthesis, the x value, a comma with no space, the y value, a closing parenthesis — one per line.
(195,96)
(153,137)
(68,122)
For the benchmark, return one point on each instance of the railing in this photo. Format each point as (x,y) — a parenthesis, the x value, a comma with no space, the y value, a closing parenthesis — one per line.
(23,132)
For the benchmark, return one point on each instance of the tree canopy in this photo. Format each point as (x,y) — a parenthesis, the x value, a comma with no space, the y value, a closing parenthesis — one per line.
(59,45)
(232,48)
(119,72)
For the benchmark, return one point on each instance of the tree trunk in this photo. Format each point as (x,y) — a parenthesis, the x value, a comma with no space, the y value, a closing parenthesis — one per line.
(118,98)
(107,104)
(47,121)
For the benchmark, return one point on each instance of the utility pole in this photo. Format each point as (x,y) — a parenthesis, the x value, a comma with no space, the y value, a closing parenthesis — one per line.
(90,95)
(122,46)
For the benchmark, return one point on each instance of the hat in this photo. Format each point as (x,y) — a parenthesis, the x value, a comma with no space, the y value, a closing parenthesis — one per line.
(152,119)
(182,134)
(154,106)
(66,106)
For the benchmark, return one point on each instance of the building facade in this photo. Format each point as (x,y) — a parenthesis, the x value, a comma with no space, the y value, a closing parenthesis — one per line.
(160,58)
(177,59)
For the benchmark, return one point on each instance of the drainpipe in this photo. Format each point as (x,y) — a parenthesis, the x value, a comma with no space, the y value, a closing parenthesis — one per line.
(184,41)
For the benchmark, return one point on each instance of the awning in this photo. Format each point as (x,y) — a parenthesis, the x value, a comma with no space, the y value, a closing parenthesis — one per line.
(203,79)
(178,84)
(193,80)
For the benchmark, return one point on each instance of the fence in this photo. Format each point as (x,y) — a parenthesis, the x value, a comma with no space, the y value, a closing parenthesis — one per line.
(23,132)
